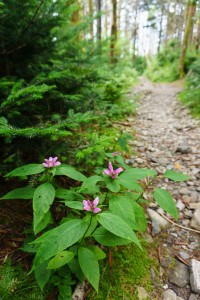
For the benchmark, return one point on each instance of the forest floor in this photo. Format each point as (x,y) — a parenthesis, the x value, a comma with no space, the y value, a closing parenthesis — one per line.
(167,137)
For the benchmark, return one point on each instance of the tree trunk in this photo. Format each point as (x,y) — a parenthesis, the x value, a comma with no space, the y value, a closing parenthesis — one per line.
(119,14)
(98,4)
(75,14)
(188,27)
(135,31)
(174,23)
(180,25)
(160,29)
(106,19)
(91,21)
(113,38)
(167,34)
(197,37)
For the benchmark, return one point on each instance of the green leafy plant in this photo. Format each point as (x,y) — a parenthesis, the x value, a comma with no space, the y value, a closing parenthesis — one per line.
(15,284)
(114,216)
(191,94)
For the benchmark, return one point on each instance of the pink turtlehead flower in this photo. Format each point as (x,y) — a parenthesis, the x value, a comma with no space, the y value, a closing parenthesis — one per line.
(116,153)
(92,206)
(111,172)
(51,162)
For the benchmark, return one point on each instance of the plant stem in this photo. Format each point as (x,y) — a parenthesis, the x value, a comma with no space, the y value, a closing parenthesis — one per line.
(86,231)
(146,187)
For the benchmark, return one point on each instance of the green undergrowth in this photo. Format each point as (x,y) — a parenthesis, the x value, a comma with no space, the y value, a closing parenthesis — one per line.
(130,268)
(191,94)
(16,284)
(164,67)
(127,268)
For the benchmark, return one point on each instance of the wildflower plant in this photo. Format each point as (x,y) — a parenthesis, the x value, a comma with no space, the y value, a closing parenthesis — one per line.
(104,210)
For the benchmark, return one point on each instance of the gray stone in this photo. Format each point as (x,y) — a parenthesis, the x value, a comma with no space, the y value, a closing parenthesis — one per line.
(180,205)
(195,276)
(162,161)
(142,293)
(158,222)
(184,254)
(194,205)
(169,295)
(139,160)
(183,148)
(184,191)
(189,213)
(179,275)
(194,297)
(165,287)
(195,222)
(195,196)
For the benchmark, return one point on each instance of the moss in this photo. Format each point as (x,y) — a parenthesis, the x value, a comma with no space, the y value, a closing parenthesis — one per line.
(130,268)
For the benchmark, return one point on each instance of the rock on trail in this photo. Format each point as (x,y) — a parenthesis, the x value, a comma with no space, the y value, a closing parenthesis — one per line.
(167,137)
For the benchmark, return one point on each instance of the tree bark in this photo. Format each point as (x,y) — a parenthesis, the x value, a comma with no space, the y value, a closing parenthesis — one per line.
(113,38)
(99,29)
(197,37)
(167,34)
(160,29)
(91,21)
(188,28)
(135,31)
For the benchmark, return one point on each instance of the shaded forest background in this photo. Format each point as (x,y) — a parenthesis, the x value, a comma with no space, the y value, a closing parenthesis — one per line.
(67,66)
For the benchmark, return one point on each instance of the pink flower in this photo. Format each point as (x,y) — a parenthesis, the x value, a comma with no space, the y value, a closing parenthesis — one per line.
(111,172)
(91,206)
(51,162)
(116,153)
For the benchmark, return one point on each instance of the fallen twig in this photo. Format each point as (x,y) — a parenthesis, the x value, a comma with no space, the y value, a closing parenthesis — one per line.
(180,226)
(182,260)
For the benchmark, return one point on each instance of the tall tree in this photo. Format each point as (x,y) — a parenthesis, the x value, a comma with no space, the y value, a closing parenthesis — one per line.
(99,28)
(160,26)
(91,21)
(188,28)
(113,38)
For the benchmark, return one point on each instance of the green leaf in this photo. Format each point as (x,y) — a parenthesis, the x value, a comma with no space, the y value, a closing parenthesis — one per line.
(112,185)
(42,199)
(74,204)
(60,259)
(27,170)
(139,174)
(89,266)
(21,193)
(106,238)
(140,218)
(42,275)
(47,218)
(122,141)
(117,226)
(70,172)
(60,238)
(65,291)
(166,202)
(93,224)
(122,207)
(128,182)
(176,176)
(68,195)
(74,267)
(99,253)
(89,184)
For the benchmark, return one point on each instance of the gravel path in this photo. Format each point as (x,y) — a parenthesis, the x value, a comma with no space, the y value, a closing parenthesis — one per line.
(167,137)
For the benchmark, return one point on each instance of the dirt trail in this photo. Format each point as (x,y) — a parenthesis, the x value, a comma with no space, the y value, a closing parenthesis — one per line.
(167,137)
